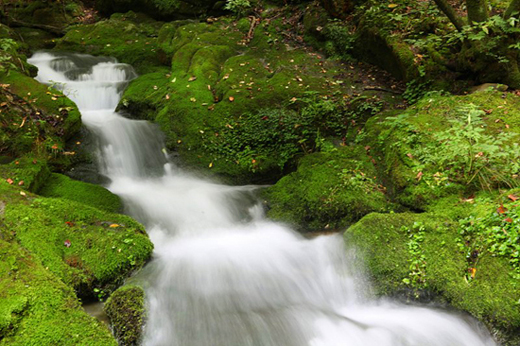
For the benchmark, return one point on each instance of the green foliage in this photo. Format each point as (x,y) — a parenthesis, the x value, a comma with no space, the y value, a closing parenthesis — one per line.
(470,155)
(255,137)
(494,234)
(8,49)
(416,258)
(166,5)
(339,40)
(464,152)
(239,7)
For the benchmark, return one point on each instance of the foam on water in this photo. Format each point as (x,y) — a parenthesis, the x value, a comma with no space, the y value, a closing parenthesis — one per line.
(223,275)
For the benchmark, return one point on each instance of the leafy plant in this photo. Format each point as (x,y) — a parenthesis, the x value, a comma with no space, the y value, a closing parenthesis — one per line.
(239,7)
(496,234)
(469,154)
(465,153)
(417,260)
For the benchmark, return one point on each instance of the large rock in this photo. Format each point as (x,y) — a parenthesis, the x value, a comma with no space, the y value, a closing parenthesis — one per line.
(244,107)
(328,191)
(126,311)
(37,308)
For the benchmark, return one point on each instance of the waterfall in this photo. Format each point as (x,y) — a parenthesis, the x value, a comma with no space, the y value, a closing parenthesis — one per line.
(222,274)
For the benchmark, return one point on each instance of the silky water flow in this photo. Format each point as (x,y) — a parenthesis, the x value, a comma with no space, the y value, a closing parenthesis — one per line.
(222,274)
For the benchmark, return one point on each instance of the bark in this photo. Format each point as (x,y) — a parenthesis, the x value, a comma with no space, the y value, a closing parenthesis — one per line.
(514,7)
(477,10)
(446,8)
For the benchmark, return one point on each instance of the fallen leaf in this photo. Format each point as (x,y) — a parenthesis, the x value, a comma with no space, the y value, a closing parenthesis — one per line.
(54,147)
(512,197)
(419,176)
(191,79)
(70,224)
(409,155)
(501,209)
(21,183)
(508,220)
(10,181)
(167,96)
(193,99)
(23,193)
(210,165)
(392,5)
(114,225)
(231,99)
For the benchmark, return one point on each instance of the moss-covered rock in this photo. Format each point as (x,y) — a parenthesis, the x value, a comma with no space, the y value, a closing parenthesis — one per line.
(29,172)
(35,118)
(329,190)
(126,311)
(447,145)
(36,308)
(89,249)
(222,80)
(422,255)
(96,196)
(50,16)
(131,38)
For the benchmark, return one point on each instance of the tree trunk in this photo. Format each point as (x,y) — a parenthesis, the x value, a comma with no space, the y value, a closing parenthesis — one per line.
(514,6)
(477,11)
(446,8)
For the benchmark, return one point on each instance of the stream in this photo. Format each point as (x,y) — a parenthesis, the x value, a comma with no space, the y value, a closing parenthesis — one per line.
(222,274)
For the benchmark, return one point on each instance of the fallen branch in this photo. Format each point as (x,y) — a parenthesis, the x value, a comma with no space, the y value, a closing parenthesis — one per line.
(49,28)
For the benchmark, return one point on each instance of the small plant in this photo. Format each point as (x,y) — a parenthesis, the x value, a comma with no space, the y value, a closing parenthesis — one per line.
(239,7)
(496,234)
(417,260)
(465,153)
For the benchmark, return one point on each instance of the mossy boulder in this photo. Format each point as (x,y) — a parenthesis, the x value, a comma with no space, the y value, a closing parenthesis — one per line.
(423,256)
(50,16)
(36,308)
(29,172)
(446,145)
(328,191)
(221,81)
(61,186)
(35,118)
(87,248)
(131,38)
(126,311)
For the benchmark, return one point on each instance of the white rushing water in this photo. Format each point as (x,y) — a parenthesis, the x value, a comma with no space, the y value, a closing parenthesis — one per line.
(223,275)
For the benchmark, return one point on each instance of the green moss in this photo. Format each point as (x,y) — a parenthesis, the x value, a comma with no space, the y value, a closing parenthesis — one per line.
(131,38)
(217,79)
(399,143)
(29,172)
(36,308)
(35,118)
(126,311)
(92,195)
(384,240)
(329,190)
(89,249)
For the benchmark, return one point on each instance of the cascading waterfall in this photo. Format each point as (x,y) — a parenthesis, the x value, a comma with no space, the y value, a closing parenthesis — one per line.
(223,275)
